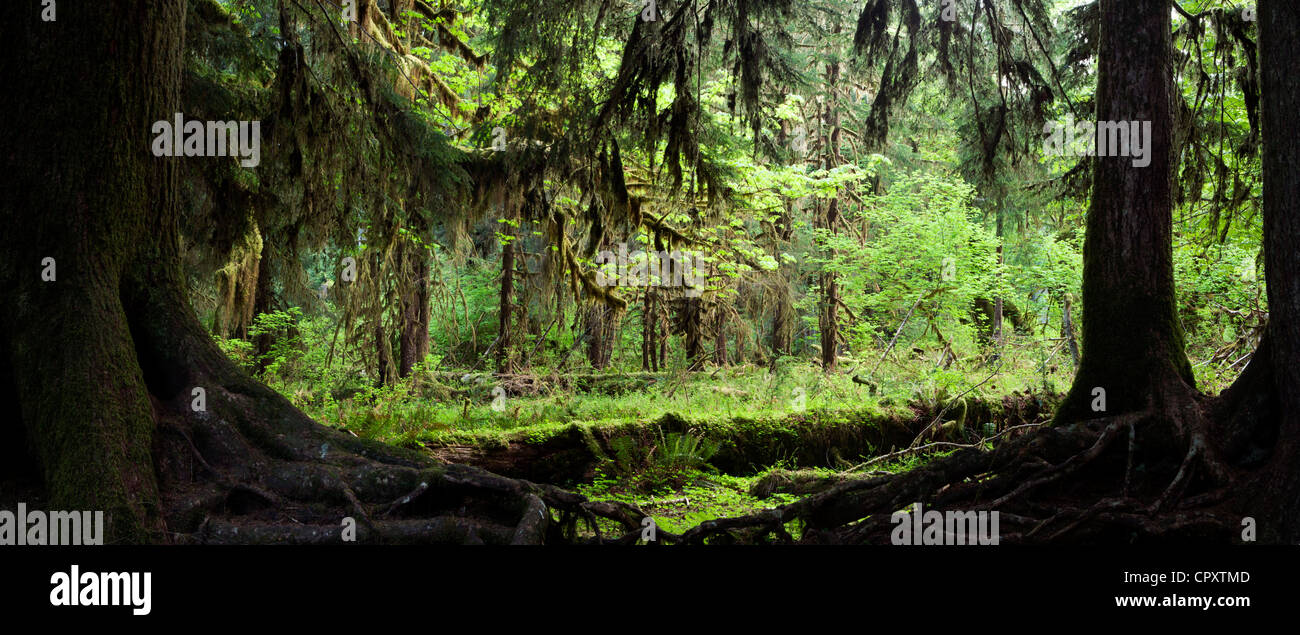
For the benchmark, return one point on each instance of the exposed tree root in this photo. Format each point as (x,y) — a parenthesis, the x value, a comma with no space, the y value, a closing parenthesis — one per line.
(306,501)
(250,468)
(1072,483)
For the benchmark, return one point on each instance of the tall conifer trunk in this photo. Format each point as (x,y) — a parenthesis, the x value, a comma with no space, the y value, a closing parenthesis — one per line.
(1132,339)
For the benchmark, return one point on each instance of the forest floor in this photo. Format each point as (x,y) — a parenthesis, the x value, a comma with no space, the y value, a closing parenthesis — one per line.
(690,447)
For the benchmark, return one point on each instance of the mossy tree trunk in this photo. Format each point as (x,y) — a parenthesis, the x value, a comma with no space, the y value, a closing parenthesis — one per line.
(690,323)
(86,192)
(720,337)
(1279,46)
(416,310)
(101,360)
(1067,329)
(650,327)
(829,317)
(1132,340)
(263,302)
(505,301)
(783,314)
(600,327)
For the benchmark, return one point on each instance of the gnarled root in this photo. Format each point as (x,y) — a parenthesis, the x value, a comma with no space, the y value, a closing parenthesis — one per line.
(252,469)
(1129,477)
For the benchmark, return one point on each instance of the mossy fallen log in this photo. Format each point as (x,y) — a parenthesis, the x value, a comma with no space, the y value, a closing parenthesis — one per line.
(565,454)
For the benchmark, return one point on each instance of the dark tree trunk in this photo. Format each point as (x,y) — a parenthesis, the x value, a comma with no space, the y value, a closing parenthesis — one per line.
(387,370)
(997,302)
(426,314)
(782,323)
(829,322)
(829,319)
(1279,46)
(661,318)
(415,309)
(600,335)
(263,302)
(84,189)
(720,339)
(690,324)
(506,304)
(1067,329)
(1132,340)
(649,333)
(103,363)
(783,229)
(783,315)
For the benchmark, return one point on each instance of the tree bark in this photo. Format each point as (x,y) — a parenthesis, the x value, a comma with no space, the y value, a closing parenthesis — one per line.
(829,319)
(783,311)
(86,191)
(1067,329)
(997,301)
(720,338)
(263,302)
(661,319)
(1279,45)
(783,315)
(1132,340)
(600,321)
(649,332)
(415,309)
(690,320)
(237,286)
(506,302)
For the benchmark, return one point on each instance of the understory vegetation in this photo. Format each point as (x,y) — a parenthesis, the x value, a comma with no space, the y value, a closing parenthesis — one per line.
(533,271)
(848,256)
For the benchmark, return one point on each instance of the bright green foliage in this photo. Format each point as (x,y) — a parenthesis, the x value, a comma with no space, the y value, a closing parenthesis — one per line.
(560,129)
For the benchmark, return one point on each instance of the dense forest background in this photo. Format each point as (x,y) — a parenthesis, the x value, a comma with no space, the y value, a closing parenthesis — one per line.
(699,259)
(836,206)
